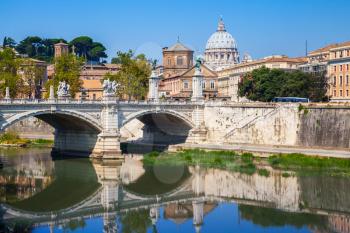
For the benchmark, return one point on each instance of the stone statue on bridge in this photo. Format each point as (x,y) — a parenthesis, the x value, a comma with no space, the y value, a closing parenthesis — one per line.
(63,89)
(109,87)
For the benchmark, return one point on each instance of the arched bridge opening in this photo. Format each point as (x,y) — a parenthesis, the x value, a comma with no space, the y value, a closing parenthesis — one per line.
(74,133)
(155,131)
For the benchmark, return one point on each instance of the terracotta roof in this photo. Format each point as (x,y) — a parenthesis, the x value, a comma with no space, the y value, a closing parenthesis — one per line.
(178,47)
(329,47)
(112,66)
(268,60)
(191,69)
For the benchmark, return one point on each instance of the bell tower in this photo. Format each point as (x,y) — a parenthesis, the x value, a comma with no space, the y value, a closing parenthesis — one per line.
(61,49)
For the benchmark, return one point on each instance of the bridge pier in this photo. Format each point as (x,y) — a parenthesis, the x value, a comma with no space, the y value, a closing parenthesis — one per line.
(108,141)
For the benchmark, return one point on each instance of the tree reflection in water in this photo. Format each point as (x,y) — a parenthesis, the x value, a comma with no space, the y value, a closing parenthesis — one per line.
(129,197)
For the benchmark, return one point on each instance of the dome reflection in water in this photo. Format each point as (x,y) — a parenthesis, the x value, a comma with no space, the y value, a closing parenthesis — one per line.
(44,194)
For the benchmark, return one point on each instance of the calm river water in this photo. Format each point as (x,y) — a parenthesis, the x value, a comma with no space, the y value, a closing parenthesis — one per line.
(39,193)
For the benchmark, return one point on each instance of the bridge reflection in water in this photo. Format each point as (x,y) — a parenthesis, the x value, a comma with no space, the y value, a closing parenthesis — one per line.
(126,193)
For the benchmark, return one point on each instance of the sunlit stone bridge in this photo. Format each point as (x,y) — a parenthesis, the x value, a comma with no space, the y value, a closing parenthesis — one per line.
(93,127)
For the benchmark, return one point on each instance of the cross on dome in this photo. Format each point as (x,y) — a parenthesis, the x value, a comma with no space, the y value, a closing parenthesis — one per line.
(221,25)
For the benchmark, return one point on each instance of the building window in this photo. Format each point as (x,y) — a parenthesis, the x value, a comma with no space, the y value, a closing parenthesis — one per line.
(212,84)
(179,61)
(216,56)
(335,93)
(347,80)
(340,80)
(341,67)
(169,62)
(185,84)
(94,96)
(335,80)
(341,54)
(341,93)
(348,52)
(203,84)
(347,92)
(347,67)
(335,68)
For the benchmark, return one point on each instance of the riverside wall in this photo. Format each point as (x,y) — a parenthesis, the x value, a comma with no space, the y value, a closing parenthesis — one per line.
(306,125)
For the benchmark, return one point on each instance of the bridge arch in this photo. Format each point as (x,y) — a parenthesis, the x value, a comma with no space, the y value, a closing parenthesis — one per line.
(163,127)
(66,119)
(139,114)
(76,132)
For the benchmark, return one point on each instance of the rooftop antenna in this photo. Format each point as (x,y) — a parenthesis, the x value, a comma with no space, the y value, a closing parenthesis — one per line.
(306,49)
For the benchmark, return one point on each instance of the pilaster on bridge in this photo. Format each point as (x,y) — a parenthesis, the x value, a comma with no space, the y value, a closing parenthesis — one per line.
(108,141)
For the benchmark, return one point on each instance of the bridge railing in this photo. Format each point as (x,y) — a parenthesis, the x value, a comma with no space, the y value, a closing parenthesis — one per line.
(79,101)
(48,101)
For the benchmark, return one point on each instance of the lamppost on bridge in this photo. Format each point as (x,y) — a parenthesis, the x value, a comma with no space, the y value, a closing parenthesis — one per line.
(197,82)
(7,94)
(153,89)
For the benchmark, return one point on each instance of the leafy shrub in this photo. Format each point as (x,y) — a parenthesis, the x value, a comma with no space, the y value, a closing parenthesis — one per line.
(263,172)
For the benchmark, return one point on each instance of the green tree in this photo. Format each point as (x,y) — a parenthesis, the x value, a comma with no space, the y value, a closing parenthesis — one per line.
(67,68)
(264,84)
(38,48)
(33,75)
(133,74)
(97,52)
(9,42)
(82,45)
(9,77)
(87,48)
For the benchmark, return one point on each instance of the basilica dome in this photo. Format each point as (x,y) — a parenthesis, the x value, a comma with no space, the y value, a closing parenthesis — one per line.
(221,49)
(221,39)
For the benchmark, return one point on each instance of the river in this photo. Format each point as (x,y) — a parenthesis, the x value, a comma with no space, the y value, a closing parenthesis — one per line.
(41,193)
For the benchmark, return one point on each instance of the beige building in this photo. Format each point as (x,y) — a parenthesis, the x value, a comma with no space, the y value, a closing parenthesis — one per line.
(179,87)
(229,78)
(92,76)
(334,60)
(338,71)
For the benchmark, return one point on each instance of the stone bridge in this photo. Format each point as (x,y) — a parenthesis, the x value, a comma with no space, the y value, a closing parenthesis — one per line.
(93,126)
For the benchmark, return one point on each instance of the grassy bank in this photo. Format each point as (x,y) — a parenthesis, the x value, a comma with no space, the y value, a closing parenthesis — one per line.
(12,139)
(214,159)
(304,164)
(298,164)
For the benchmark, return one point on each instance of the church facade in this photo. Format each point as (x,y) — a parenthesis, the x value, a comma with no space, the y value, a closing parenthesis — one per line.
(178,68)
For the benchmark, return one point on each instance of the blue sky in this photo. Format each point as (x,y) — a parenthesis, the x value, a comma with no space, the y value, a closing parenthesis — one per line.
(260,27)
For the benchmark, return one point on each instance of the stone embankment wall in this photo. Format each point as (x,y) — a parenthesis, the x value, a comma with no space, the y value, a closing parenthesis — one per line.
(312,125)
